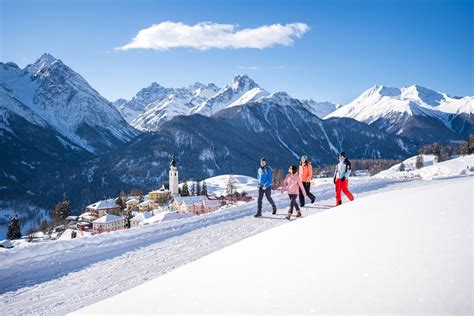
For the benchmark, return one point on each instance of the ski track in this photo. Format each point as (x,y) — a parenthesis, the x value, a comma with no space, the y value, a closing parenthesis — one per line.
(65,281)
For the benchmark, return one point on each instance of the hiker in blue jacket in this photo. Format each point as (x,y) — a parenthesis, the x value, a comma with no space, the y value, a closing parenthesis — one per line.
(264,176)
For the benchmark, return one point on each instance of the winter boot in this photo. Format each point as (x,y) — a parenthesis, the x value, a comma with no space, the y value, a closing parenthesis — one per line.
(313,199)
(338,203)
(298,213)
(259,213)
(274,211)
(288,216)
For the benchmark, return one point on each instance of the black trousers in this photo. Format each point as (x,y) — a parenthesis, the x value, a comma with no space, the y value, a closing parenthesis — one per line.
(307,186)
(293,203)
(268,195)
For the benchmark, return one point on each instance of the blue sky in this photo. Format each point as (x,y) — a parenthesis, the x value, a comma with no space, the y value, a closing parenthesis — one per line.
(351,45)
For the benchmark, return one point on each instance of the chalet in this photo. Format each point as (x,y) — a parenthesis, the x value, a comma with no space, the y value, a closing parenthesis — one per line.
(144,206)
(88,217)
(195,204)
(103,207)
(137,220)
(132,203)
(159,196)
(107,223)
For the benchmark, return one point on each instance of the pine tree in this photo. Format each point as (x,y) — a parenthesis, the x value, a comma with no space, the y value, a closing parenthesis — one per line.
(419,162)
(402,167)
(204,188)
(62,211)
(127,217)
(230,185)
(193,188)
(467,148)
(198,188)
(120,201)
(14,229)
(184,189)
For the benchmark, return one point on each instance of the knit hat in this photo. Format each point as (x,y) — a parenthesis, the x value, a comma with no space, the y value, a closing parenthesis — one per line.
(263,159)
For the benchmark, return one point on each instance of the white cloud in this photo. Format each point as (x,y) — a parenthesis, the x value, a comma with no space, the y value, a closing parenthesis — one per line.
(206,35)
(249,67)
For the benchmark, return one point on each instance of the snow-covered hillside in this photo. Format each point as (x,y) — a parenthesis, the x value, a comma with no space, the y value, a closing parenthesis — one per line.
(394,252)
(56,278)
(218,185)
(461,166)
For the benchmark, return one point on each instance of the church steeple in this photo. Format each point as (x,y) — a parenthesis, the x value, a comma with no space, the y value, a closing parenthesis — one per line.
(173,176)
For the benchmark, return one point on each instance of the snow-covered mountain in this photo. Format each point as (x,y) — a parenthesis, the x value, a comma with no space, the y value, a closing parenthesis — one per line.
(179,101)
(154,105)
(414,112)
(131,109)
(227,95)
(51,120)
(48,93)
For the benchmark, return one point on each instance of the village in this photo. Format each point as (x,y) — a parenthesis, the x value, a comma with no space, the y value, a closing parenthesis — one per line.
(134,211)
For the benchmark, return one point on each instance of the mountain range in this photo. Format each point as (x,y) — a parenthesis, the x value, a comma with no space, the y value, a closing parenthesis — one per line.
(413,112)
(61,137)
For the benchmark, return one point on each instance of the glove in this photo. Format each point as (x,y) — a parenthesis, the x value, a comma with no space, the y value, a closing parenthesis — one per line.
(334,180)
(343,179)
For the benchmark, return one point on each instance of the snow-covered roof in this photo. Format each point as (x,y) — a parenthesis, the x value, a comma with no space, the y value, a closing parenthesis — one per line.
(161,191)
(108,218)
(191,199)
(133,201)
(104,204)
(139,217)
(166,216)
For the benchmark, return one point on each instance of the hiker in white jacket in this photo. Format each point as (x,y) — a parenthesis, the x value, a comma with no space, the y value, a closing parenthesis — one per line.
(342,172)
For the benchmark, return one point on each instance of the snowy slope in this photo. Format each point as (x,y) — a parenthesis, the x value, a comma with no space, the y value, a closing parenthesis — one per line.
(320,109)
(218,185)
(127,113)
(412,256)
(391,108)
(250,96)
(43,273)
(460,166)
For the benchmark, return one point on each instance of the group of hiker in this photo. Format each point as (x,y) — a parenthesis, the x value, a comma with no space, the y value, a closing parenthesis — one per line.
(298,184)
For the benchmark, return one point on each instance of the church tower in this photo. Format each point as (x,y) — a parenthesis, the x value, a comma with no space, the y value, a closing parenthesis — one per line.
(173,177)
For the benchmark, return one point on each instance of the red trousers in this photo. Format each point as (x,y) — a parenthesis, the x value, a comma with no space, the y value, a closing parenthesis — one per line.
(342,186)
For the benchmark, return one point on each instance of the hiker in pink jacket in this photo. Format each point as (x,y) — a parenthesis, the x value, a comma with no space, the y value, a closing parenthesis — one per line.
(293,185)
